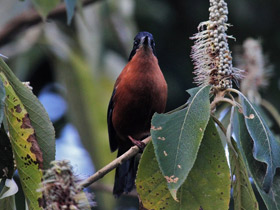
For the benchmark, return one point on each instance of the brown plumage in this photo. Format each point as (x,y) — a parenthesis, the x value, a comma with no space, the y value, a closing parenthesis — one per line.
(139,92)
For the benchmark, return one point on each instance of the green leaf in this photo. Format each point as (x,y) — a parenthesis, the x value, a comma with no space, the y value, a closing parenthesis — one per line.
(88,114)
(44,6)
(8,203)
(70,8)
(177,137)
(207,186)
(243,194)
(266,146)
(257,169)
(2,101)
(28,155)
(39,118)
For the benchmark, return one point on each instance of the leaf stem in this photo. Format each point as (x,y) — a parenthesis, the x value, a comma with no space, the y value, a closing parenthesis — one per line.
(234,91)
(218,100)
(218,122)
(224,130)
(178,108)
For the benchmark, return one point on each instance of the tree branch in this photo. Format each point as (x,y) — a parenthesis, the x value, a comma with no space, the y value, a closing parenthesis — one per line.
(114,164)
(30,18)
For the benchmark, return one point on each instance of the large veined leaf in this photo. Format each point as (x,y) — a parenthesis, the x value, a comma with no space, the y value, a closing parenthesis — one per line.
(266,146)
(257,169)
(206,187)
(44,6)
(28,156)
(39,118)
(2,101)
(243,194)
(177,137)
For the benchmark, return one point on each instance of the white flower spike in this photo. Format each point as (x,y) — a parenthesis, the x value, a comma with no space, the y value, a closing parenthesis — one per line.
(210,53)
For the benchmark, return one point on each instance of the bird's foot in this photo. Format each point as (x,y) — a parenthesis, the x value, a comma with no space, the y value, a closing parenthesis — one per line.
(141,145)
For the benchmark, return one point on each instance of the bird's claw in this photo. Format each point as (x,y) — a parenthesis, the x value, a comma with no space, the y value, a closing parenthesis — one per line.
(141,145)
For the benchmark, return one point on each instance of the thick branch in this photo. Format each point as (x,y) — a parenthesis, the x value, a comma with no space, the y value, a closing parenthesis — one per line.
(114,164)
(30,18)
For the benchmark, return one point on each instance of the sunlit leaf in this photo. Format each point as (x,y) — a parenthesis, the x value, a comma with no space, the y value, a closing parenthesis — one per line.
(266,146)
(39,118)
(89,115)
(70,8)
(28,155)
(177,137)
(44,6)
(2,101)
(257,169)
(243,194)
(206,187)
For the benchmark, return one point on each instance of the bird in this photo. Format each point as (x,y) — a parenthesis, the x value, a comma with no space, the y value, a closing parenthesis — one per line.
(139,91)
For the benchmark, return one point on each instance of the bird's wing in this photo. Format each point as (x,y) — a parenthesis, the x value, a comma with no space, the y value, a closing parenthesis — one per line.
(112,133)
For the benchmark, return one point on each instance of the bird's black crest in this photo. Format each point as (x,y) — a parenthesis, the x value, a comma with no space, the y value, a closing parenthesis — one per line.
(137,43)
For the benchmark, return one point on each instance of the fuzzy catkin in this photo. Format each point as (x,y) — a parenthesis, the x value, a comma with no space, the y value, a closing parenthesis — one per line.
(210,54)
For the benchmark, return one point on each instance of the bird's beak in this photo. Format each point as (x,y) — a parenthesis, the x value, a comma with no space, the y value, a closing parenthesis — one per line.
(146,41)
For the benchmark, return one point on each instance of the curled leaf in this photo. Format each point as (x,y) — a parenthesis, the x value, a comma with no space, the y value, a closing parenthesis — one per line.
(266,146)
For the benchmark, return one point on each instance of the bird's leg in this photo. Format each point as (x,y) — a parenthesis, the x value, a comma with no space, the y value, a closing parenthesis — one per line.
(138,143)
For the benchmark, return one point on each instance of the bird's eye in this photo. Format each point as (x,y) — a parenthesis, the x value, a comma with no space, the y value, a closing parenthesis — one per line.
(136,43)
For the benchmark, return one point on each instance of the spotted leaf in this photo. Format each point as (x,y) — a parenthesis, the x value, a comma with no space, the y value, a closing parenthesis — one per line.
(206,187)
(38,116)
(28,155)
(177,136)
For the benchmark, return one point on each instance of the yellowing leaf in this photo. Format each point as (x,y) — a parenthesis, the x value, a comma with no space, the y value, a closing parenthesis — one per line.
(45,135)
(28,155)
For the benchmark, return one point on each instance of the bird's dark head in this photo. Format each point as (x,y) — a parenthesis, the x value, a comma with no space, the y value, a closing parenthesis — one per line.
(143,40)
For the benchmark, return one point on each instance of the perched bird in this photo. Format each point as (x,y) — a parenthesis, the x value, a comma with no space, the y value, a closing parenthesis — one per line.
(139,92)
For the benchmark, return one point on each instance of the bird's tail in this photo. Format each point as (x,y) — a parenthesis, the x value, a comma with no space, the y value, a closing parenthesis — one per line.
(125,176)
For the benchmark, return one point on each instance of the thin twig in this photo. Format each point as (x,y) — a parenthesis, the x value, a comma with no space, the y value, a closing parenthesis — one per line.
(218,100)
(224,130)
(115,163)
(30,18)
(234,91)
